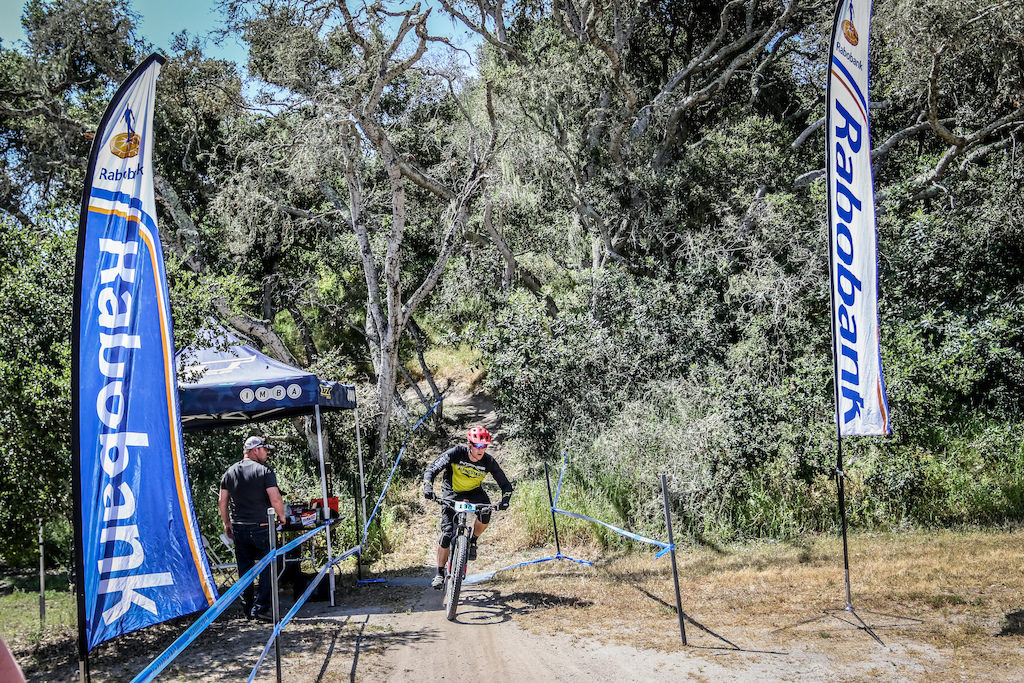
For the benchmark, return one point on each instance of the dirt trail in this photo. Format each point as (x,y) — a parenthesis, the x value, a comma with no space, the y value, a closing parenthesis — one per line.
(486,643)
(406,637)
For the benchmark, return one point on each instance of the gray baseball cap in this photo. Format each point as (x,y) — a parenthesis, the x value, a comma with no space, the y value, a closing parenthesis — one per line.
(255,442)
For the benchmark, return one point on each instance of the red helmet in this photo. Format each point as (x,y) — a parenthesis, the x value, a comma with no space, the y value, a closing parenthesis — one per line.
(478,435)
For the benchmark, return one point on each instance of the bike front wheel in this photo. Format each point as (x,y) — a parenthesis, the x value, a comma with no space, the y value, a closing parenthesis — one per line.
(458,570)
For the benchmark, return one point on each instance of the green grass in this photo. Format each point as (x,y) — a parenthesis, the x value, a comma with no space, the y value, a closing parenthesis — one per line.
(19,609)
(532,506)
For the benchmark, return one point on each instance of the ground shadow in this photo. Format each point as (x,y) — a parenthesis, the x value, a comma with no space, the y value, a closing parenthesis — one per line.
(330,653)
(226,651)
(355,651)
(1013,624)
(478,606)
(863,620)
(729,645)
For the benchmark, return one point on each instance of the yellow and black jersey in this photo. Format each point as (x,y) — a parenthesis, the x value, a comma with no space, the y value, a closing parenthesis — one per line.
(462,474)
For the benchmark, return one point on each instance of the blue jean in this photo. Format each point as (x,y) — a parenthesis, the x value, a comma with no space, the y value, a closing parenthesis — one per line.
(251,544)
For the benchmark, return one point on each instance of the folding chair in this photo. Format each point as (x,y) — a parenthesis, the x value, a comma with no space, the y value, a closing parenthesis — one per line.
(215,559)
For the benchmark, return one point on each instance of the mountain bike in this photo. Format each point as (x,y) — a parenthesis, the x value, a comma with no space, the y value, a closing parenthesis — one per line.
(465,518)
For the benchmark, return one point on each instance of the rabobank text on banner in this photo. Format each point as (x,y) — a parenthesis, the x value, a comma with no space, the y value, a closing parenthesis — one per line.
(140,554)
(863,408)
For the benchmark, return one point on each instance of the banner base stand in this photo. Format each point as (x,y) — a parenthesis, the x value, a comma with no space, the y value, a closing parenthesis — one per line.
(843,613)
(863,625)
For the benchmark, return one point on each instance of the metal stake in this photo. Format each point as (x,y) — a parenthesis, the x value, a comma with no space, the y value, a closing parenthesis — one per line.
(362,490)
(272,531)
(547,478)
(355,504)
(42,578)
(672,552)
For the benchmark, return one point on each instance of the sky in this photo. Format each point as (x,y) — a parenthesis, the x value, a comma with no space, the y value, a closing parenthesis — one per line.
(160,19)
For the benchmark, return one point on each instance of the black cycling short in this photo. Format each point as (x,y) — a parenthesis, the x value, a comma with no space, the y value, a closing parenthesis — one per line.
(476,496)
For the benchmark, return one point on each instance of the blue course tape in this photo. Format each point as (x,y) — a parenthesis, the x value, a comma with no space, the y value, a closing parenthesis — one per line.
(487,576)
(545,559)
(558,492)
(193,631)
(628,534)
(295,608)
(217,608)
(668,548)
(366,527)
(294,543)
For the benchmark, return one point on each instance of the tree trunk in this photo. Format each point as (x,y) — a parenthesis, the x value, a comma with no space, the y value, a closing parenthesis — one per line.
(417,335)
(386,389)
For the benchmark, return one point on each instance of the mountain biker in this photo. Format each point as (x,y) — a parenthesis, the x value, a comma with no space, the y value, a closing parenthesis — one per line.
(464,467)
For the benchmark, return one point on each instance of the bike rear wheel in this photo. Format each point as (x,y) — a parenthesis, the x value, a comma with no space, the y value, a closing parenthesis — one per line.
(458,569)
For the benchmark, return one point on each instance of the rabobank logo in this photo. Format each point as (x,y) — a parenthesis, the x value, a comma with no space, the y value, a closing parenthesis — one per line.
(849,30)
(850,33)
(126,145)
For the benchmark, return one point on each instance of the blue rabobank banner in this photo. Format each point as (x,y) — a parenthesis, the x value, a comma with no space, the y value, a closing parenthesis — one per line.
(863,408)
(140,555)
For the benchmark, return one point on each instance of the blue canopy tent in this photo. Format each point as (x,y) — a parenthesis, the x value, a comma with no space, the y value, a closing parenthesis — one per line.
(238,384)
(230,383)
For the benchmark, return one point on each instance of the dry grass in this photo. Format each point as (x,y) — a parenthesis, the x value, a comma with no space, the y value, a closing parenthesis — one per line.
(949,602)
(946,604)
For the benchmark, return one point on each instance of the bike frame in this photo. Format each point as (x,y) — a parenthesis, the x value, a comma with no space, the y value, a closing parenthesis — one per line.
(464,524)
(465,519)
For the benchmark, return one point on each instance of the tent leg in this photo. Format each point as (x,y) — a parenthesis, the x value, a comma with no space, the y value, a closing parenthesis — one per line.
(326,507)
(362,481)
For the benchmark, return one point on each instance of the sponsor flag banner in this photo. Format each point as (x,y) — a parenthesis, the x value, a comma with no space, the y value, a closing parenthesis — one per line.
(140,556)
(853,242)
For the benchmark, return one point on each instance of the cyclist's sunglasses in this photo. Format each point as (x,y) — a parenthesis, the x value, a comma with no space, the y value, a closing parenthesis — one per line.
(478,445)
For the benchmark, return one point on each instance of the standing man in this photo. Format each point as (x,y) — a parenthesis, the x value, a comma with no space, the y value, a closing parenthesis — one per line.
(247,489)
(464,467)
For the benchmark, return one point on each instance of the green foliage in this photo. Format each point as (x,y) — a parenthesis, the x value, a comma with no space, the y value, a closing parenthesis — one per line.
(974,477)
(532,507)
(36,275)
(611,338)
(658,211)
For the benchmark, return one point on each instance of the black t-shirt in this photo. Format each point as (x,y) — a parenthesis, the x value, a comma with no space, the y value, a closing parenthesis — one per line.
(247,482)
(462,474)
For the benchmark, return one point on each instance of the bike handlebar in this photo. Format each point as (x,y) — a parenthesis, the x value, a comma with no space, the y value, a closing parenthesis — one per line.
(477,507)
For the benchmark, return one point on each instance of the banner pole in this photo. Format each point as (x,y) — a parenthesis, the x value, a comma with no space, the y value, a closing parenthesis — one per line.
(272,533)
(840,475)
(672,553)
(841,479)
(558,546)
